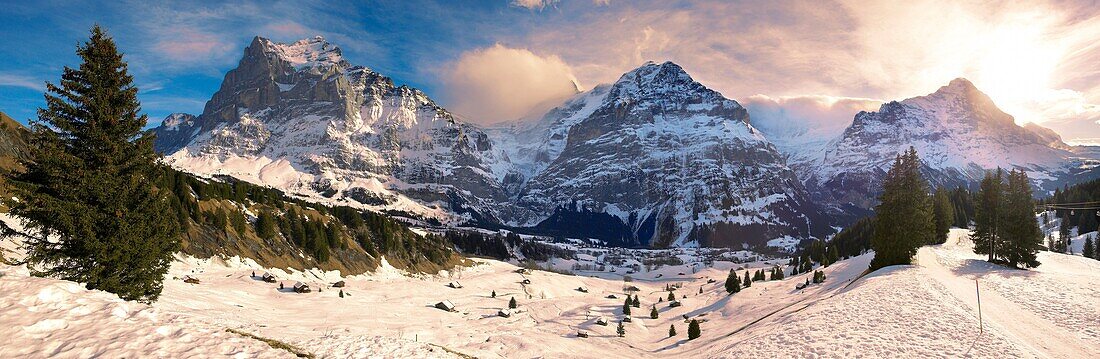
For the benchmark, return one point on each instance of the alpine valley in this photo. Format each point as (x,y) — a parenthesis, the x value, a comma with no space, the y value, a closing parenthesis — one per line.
(654,159)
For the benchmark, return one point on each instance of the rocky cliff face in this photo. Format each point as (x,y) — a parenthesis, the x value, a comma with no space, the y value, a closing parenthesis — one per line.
(301,118)
(658,159)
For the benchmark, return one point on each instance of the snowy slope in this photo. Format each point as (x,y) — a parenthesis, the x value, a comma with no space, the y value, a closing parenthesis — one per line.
(920,311)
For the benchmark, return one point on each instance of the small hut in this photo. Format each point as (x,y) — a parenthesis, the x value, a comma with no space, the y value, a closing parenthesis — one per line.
(446,305)
(504,313)
(601,321)
(526,281)
(300,287)
(632,289)
(582,289)
(612,296)
(711,280)
(268,277)
(190,279)
(674,304)
(455,284)
(582,334)
(339,284)
(628,320)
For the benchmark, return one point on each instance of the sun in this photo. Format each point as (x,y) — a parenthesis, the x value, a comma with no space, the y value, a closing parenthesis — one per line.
(1015,67)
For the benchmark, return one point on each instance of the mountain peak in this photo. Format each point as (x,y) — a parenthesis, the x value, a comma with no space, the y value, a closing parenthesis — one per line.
(650,72)
(302,54)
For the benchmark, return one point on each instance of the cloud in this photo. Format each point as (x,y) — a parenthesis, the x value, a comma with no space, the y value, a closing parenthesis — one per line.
(534,4)
(794,119)
(499,83)
(191,46)
(1016,53)
(17,80)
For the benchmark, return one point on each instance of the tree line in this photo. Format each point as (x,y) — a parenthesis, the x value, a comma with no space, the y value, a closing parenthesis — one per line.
(909,216)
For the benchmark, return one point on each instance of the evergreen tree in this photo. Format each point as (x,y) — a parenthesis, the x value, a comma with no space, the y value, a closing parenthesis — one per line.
(266,226)
(1086,222)
(747,282)
(1021,233)
(672,330)
(621,330)
(904,215)
(943,213)
(626,305)
(987,216)
(733,284)
(693,330)
(637,303)
(512,303)
(89,185)
(653,312)
(671,296)
(341,293)
(1090,250)
(493,295)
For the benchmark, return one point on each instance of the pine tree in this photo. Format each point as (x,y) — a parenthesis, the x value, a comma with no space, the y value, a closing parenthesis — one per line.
(1086,222)
(733,284)
(747,282)
(904,214)
(89,185)
(621,330)
(672,330)
(1021,233)
(693,330)
(626,305)
(637,303)
(671,296)
(493,295)
(653,312)
(341,293)
(987,215)
(512,303)
(943,213)
(1089,251)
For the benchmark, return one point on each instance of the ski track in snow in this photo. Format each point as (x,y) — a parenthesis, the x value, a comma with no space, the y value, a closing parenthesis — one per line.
(1051,308)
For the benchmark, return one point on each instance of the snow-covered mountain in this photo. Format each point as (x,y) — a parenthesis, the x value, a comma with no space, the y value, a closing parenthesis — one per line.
(299,117)
(657,158)
(958,132)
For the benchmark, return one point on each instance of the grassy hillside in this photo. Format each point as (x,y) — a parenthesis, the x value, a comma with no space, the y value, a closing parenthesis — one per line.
(227,217)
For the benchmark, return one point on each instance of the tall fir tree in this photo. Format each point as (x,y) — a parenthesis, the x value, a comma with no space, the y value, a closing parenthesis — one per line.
(987,215)
(943,213)
(89,185)
(1086,222)
(904,214)
(1022,237)
(1089,251)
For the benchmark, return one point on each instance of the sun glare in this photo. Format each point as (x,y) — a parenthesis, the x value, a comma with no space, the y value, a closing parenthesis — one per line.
(1016,66)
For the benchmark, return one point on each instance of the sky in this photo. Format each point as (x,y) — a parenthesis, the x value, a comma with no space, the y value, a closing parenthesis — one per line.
(496,61)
